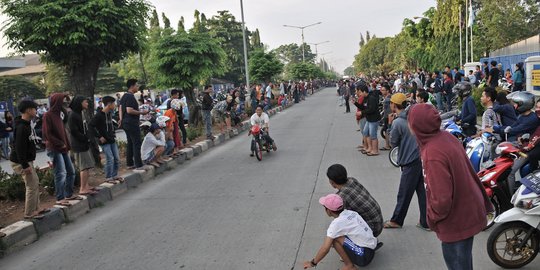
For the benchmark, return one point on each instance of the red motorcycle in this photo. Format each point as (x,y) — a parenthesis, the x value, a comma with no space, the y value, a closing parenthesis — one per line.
(494,179)
(259,142)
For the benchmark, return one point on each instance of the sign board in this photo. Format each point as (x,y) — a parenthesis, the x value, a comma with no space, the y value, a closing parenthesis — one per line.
(535,77)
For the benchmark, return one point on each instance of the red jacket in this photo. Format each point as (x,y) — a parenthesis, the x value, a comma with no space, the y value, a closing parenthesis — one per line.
(456,201)
(54,133)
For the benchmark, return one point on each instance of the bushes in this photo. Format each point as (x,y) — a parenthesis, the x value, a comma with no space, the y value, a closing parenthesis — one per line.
(11,186)
(46,179)
(193,133)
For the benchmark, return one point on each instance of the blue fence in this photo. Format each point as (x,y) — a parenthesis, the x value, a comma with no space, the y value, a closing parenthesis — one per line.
(509,61)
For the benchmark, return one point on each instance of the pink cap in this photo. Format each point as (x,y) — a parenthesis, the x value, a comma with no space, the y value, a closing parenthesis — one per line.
(332,201)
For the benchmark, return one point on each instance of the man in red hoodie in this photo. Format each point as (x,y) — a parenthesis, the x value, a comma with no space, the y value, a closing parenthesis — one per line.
(457,204)
(57,145)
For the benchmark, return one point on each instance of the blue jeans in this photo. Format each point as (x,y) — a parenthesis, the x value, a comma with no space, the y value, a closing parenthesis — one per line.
(133,149)
(458,255)
(169,147)
(412,180)
(113,160)
(5,147)
(207,118)
(439,98)
(64,174)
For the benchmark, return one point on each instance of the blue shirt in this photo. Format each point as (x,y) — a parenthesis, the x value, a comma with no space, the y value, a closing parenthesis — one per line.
(468,111)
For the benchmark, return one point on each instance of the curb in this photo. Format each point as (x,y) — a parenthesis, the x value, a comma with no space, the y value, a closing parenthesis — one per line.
(23,233)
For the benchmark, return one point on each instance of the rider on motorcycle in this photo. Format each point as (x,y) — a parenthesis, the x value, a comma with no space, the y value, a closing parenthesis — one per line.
(468,110)
(261,119)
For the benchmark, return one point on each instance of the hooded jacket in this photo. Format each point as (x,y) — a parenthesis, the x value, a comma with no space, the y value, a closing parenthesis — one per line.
(78,127)
(25,148)
(53,130)
(104,127)
(372,109)
(456,201)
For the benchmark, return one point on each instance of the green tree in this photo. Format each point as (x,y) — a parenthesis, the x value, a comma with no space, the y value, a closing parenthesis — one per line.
(77,35)
(371,55)
(264,66)
(304,71)
(17,87)
(349,71)
(292,53)
(187,60)
(108,81)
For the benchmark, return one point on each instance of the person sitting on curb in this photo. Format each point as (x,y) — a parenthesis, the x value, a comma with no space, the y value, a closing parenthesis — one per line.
(348,234)
(23,156)
(356,197)
(153,147)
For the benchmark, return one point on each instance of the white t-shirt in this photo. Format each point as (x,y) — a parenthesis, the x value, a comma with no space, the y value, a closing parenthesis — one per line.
(268,92)
(352,225)
(262,121)
(150,143)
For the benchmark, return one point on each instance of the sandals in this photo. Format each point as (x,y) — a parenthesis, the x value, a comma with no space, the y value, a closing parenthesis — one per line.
(386,149)
(89,193)
(369,154)
(391,225)
(75,198)
(427,229)
(63,203)
(363,151)
(38,217)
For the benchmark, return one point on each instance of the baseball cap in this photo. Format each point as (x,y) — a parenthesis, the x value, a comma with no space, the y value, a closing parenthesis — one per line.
(398,98)
(332,201)
(154,127)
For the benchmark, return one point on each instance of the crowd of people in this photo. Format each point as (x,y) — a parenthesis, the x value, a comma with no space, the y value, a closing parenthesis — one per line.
(451,199)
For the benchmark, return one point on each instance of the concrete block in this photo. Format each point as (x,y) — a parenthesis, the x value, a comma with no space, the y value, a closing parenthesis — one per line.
(157,171)
(203,145)
(210,143)
(171,164)
(181,158)
(188,152)
(116,189)
(75,210)
(227,136)
(18,235)
(147,174)
(51,221)
(133,179)
(197,149)
(99,199)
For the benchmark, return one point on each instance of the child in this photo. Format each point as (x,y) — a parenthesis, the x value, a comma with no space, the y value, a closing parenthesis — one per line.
(153,147)
(348,233)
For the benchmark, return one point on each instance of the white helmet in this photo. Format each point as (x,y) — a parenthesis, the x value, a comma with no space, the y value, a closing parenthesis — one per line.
(176,104)
(162,121)
(146,124)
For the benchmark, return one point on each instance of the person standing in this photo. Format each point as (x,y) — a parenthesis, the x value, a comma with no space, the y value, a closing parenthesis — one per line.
(371,112)
(181,116)
(22,158)
(79,138)
(103,123)
(409,161)
(493,79)
(517,77)
(129,119)
(457,204)
(438,90)
(447,90)
(207,106)
(5,129)
(347,96)
(385,92)
(57,145)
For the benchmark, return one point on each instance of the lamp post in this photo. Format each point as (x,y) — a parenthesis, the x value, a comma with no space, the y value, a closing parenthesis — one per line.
(317,44)
(302,28)
(245,51)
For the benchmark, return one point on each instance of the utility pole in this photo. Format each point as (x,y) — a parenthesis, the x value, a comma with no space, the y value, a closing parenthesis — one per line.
(302,28)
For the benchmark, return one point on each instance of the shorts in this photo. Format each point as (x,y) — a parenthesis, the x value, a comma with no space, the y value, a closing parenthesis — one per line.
(220,117)
(84,160)
(360,256)
(151,156)
(370,130)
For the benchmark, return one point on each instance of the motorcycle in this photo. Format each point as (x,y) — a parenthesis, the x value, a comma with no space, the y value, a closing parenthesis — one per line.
(258,142)
(515,243)
(479,150)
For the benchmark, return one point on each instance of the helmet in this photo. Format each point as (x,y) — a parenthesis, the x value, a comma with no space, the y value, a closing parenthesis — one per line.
(463,89)
(255,129)
(162,121)
(145,107)
(524,101)
(176,104)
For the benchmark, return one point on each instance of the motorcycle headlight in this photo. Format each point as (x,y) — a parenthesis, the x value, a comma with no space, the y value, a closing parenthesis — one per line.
(487,176)
(499,149)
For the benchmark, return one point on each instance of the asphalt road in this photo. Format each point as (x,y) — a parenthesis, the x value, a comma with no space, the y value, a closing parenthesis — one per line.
(226,210)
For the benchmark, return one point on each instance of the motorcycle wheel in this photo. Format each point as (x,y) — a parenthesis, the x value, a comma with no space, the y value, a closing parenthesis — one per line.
(383,134)
(503,241)
(258,150)
(393,156)
(495,213)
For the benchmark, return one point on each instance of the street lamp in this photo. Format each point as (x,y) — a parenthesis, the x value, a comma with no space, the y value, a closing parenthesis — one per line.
(419,17)
(317,44)
(245,50)
(302,28)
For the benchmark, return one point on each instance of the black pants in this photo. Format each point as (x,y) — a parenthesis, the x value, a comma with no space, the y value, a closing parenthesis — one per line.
(133,149)
(412,180)
(183,130)
(534,157)
(347,106)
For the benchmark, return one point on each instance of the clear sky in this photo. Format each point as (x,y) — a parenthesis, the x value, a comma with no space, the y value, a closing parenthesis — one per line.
(342,20)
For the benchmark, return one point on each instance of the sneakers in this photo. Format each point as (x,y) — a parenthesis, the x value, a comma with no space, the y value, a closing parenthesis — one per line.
(251,154)
(274,147)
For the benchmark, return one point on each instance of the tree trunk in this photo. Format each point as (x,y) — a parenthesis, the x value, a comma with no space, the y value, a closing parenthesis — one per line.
(195,115)
(83,78)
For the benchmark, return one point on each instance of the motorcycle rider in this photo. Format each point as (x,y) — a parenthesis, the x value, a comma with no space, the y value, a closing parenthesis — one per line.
(468,109)
(526,123)
(261,118)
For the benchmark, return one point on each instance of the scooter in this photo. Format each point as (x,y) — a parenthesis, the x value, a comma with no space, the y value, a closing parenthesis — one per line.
(479,150)
(515,243)
(258,142)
